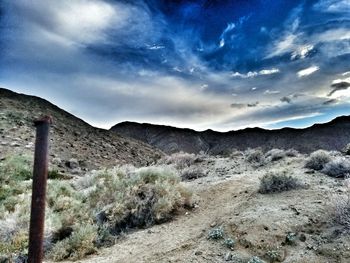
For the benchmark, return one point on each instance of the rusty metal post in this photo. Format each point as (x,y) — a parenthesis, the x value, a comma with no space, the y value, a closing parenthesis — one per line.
(40,171)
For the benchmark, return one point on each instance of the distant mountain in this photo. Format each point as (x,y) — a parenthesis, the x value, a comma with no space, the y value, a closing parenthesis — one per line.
(74,143)
(333,135)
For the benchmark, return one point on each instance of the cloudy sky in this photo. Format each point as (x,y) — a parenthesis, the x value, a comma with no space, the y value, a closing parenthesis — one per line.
(199,64)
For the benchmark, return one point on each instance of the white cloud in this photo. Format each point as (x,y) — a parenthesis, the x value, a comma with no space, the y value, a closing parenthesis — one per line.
(252,74)
(302,51)
(307,71)
(332,35)
(79,22)
(270,92)
(334,6)
(284,45)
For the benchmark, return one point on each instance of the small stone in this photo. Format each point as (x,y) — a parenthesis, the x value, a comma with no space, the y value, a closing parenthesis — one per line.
(302,237)
(213,224)
(15,144)
(72,163)
(198,253)
(228,256)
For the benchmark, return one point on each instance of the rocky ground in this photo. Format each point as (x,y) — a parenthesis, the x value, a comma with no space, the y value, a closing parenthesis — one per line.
(75,145)
(292,226)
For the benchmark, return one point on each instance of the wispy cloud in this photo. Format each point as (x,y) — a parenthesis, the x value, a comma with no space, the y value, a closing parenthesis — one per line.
(252,74)
(307,71)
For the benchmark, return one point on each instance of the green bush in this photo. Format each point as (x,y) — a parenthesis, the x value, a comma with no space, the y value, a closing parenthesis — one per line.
(276,182)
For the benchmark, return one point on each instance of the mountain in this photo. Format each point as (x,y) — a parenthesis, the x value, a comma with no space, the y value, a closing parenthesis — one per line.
(75,145)
(333,135)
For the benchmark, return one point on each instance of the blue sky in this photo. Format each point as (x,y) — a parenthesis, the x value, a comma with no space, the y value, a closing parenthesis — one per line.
(200,64)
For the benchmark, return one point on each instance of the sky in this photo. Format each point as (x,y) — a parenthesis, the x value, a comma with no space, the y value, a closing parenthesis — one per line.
(221,65)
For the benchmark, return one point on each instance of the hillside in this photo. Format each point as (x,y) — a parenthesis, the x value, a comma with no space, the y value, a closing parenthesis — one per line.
(333,135)
(75,145)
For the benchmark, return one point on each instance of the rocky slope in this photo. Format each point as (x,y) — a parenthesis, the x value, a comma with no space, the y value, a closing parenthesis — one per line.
(75,145)
(333,135)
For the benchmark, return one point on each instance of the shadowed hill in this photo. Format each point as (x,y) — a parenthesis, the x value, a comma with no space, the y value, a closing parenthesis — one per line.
(333,135)
(75,145)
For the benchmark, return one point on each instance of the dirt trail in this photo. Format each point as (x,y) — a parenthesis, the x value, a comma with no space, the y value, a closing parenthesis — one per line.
(259,223)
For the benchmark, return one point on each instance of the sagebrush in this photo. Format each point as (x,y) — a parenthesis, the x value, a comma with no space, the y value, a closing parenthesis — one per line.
(278,181)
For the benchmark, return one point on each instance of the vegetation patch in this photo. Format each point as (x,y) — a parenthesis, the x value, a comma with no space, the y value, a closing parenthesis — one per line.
(276,182)
(191,173)
(275,155)
(86,213)
(255,156)
(339,168)
(181,160)
(318,160)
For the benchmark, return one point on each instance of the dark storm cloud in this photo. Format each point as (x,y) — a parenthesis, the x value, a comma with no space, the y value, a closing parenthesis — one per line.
(339,86)
(286,99)
(177,62)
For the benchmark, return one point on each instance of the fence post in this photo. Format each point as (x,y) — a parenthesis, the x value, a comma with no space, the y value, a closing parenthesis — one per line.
(40,171)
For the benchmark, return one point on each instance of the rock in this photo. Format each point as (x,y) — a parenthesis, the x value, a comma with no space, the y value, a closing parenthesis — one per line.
(56,161)
(228,256)
(302,237)
(198,253)
(72,163)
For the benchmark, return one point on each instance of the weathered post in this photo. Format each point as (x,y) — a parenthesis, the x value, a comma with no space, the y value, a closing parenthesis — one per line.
(40,171)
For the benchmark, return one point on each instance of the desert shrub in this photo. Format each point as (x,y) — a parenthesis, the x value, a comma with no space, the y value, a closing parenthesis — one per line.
(143,197)
(342,208)
(230,243)
(255,156)
(291,153)
(80,243)
(192,172)
(114,199)
(318,160)
(274,255)
(276,182)
(339,168)
(180,160)
(275,155)
(291,238)
(55,175)
(216,233)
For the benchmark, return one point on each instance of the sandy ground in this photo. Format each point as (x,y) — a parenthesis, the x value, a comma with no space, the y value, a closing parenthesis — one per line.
(228,197)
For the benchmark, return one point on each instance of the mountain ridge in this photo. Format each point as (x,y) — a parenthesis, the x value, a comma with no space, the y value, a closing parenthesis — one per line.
(167,138)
